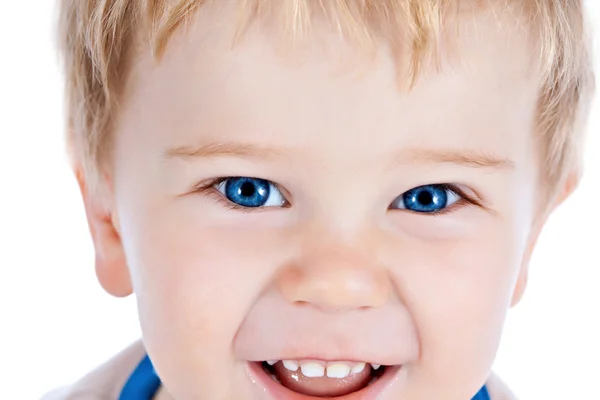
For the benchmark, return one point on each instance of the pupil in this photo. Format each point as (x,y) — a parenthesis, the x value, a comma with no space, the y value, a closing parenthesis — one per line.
(247,189)
(425,198)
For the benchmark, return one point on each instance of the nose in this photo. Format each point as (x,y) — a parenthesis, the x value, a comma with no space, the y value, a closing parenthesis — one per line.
(335,280)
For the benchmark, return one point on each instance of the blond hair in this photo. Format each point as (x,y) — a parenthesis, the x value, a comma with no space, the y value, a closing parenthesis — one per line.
(98,36)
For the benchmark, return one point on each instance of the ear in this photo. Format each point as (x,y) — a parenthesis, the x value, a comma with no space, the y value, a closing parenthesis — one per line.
(570,184)
(523,276)
(111,266)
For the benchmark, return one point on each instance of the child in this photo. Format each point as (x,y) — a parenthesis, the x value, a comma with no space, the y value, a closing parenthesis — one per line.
(319,198)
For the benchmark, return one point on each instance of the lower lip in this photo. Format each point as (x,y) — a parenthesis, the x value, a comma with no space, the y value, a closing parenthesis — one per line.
(275,390)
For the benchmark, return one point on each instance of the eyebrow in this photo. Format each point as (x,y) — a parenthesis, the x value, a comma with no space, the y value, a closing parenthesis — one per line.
(225,149)
(463,157)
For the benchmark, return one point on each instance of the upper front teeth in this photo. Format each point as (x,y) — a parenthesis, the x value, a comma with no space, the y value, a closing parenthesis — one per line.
(290,364)
(341,370)
(316,369)
(312,369)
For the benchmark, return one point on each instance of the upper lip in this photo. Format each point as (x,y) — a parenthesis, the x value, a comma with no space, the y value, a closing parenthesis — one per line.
(274,330)
(327,345)
(306,343)
(328,357)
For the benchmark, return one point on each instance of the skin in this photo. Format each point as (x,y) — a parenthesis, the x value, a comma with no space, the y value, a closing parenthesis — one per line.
(337,272)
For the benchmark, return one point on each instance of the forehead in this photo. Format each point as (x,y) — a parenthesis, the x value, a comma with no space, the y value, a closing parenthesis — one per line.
(324,87)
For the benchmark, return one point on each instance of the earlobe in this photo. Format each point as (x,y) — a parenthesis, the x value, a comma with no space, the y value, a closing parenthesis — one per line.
(113,276)
(520,286)
(570,185)
(111,265)
(522,278)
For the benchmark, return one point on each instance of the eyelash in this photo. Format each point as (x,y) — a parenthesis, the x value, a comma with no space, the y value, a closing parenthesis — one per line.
(464,200)
(209,190)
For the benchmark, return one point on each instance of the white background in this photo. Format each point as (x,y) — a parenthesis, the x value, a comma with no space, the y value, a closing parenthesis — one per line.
(56,323)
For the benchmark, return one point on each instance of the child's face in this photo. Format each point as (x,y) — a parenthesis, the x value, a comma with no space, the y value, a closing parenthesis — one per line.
(344,260)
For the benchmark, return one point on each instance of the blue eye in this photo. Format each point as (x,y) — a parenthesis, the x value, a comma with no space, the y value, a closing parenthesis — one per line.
(251,192)
(426,199)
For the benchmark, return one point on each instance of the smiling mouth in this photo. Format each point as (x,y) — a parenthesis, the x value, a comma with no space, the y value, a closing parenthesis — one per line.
(312,379)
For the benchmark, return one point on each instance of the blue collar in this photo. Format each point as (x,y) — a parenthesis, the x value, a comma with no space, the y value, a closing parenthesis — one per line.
(144,383)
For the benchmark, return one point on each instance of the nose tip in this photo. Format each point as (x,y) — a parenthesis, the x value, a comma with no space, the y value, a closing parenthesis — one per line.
(335,284)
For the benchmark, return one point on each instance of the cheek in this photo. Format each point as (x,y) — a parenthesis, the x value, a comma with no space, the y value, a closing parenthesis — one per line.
(458,291)
(186,270)
(194,285)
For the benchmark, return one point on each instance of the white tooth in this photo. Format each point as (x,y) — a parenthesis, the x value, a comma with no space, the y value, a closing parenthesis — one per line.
(375,366)
(272,362)
(312,370)
(291,365)
(338,370)
(358,368)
